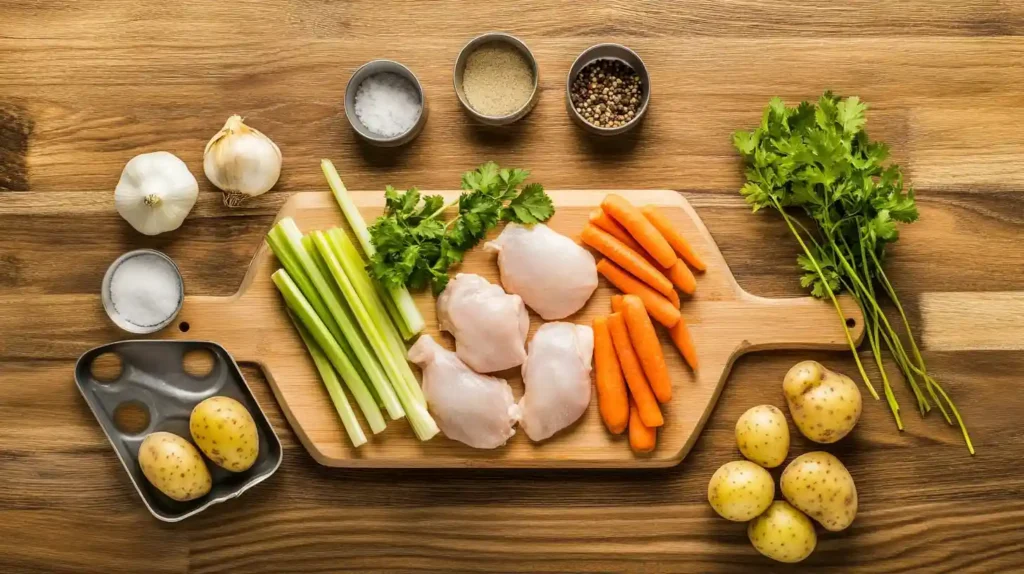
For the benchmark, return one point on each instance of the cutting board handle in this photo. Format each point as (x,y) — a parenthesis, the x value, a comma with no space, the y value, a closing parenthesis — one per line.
(798,323)
(219,319)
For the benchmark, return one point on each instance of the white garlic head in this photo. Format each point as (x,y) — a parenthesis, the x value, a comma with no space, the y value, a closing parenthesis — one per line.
(155,193)
(241,161)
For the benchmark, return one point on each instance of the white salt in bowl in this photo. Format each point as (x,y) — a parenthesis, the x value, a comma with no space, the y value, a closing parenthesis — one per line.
(373,68)
(108,301)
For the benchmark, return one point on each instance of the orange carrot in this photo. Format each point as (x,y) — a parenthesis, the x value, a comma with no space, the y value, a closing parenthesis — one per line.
(681,276)
(612,398)
(627,259)
(660,308)
(646,403)
(673,236)
(616,303)
(601,220)
(642,438)
(681,337)
(647,347)
(640,228)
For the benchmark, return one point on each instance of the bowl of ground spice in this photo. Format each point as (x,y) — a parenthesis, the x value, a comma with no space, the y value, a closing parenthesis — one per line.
(496,79)
(608,89)
(384,103)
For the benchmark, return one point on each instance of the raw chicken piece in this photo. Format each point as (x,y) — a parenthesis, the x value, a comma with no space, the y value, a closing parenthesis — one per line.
(489,325)
(552,274)
(474,409)
(557,378)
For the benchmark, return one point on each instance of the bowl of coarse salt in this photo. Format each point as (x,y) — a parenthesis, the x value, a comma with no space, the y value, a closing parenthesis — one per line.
(385,104)
(142,291)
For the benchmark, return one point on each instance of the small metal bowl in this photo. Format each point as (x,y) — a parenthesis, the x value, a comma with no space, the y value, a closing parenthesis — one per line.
(373,68)
(460,70)
(609,52)
(108,303)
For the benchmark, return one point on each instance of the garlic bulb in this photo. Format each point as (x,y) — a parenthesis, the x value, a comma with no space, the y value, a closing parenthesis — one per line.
(241,162)
(156,192)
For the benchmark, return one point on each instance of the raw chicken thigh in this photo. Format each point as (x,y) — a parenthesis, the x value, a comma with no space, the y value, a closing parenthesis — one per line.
(554,276)
(557,378)
(474,409)
(489,325)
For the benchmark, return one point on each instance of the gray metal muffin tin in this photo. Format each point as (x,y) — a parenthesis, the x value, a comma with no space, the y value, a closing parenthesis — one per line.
(153,375)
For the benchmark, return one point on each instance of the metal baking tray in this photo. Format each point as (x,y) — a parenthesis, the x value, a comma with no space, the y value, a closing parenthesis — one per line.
(154,377)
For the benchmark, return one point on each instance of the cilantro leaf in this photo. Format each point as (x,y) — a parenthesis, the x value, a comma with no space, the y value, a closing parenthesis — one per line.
(414,247)
(532,205)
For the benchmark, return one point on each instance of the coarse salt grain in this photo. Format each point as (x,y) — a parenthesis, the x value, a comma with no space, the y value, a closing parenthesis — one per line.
(145,290)
(387,104)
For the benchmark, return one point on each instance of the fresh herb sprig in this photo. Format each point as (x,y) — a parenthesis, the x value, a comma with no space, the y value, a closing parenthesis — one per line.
(818,159)
(415,247)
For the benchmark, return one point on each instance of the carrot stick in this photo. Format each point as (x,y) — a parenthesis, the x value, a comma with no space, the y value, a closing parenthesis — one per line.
(645,233)
(642,438)
(673,236)
(647,347)
(612,398)
(660,308)
(627,259)
(616,303)
(681,276)
(601,220)
(680,335)
(646,403)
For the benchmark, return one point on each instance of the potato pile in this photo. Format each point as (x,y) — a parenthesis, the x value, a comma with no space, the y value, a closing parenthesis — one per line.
(224,431)
(825,407)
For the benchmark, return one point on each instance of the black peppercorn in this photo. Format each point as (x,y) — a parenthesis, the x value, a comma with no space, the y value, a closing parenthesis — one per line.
(607,93)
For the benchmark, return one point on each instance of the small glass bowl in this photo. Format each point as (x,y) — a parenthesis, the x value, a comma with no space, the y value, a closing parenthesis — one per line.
(108,303)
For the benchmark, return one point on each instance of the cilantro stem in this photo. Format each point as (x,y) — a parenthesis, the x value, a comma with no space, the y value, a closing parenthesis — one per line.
(831,295)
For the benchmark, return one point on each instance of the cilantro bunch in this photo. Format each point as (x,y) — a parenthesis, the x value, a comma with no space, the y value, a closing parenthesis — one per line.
(415,247)
(817,158)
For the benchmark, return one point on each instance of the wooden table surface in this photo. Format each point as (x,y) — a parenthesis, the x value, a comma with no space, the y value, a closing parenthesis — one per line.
(84,86)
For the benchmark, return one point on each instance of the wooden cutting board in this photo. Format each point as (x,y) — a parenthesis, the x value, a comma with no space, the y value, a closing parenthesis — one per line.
(725,322)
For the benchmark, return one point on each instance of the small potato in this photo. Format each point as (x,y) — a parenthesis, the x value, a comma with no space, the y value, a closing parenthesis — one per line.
(825,405)
(783,533)
(819,485)
(763,435)
(174,466)
(740,490)
(225,432)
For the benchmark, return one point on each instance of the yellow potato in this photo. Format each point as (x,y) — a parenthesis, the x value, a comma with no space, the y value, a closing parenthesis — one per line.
(225,432)
(174,466)
(740,490)
(824,405)
(819,485)
(783,533)
(763,435)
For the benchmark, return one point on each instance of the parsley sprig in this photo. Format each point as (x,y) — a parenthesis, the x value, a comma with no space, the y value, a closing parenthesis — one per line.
(817,158)
(415,247)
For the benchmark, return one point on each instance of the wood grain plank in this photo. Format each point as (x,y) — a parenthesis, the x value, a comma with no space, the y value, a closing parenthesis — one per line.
(292,90)
(84,86)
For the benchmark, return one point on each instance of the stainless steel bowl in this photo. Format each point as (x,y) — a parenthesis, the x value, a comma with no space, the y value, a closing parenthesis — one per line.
(108,303)
(609,52)
(376,67)
(460,69)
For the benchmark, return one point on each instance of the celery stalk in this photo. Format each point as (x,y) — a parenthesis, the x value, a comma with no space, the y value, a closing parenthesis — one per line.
(307,242)
(330,379)
(411,317)
(316,328)
(354,266)
(423,425)
(336,308)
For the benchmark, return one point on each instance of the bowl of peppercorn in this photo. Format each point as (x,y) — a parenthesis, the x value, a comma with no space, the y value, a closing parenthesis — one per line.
(608,89)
